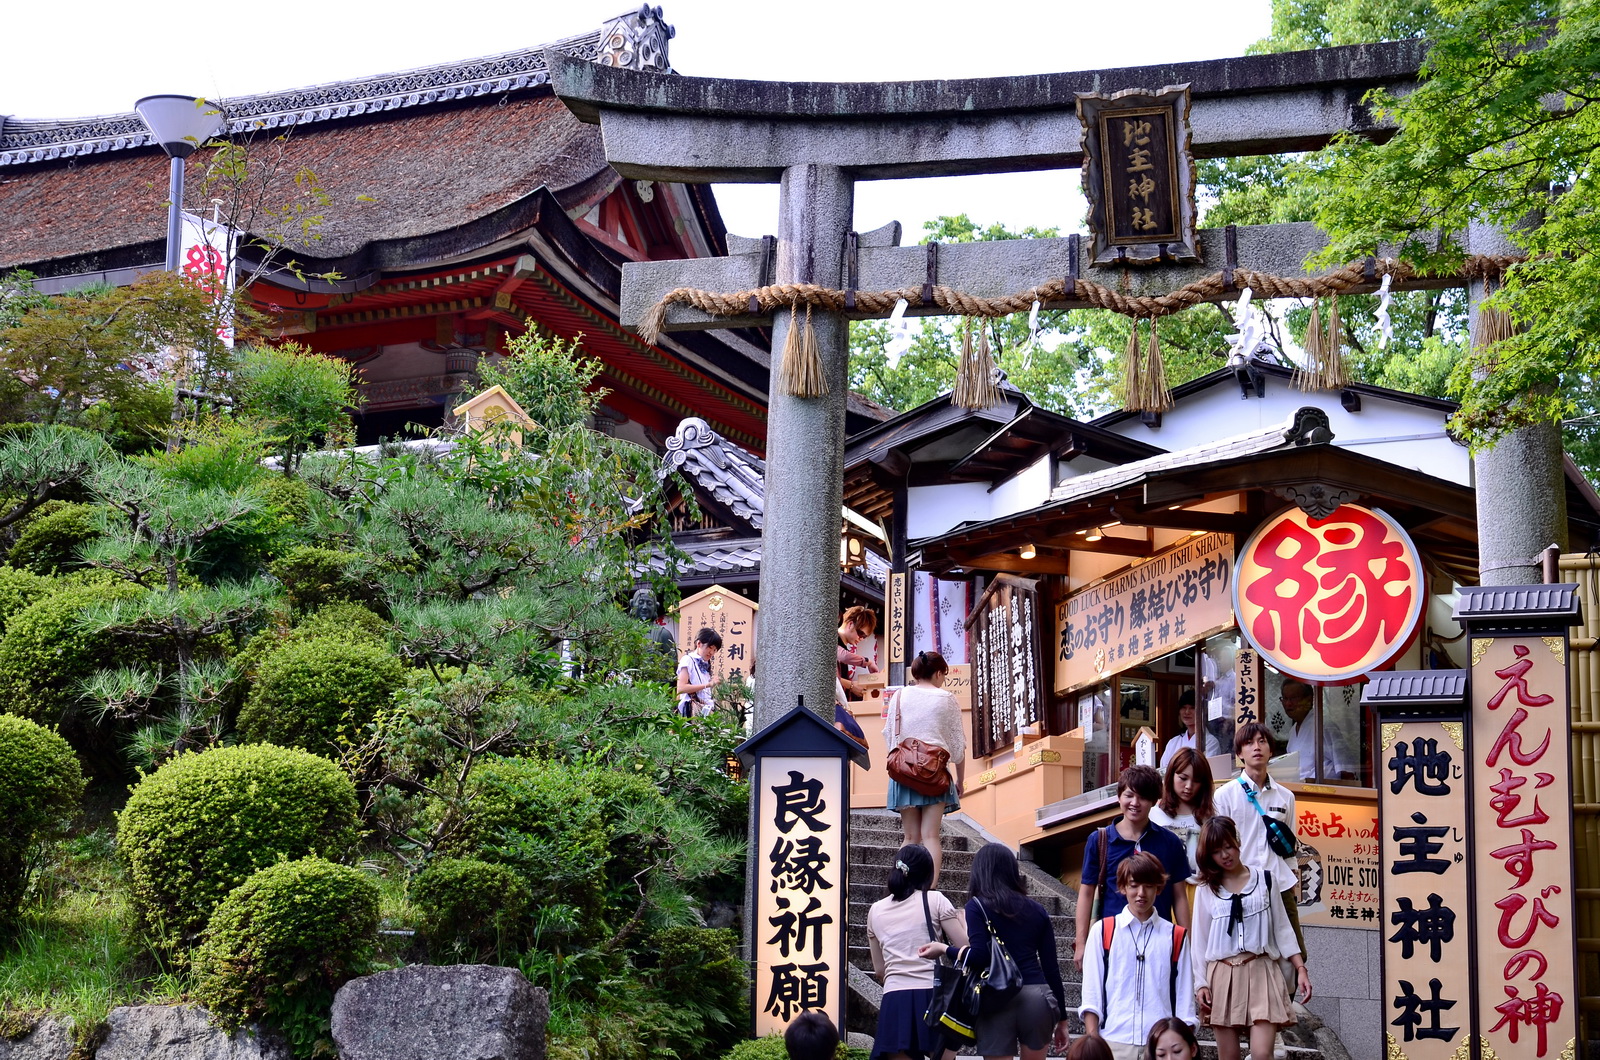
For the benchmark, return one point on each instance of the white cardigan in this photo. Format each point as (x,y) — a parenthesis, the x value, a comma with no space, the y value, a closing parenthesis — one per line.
(932,715)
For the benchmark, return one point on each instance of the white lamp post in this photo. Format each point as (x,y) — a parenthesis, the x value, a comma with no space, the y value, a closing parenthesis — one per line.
(180,124)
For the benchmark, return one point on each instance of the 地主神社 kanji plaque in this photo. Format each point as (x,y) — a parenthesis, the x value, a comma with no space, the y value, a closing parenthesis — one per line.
(1328,599)
(1422,804)
(1138,174)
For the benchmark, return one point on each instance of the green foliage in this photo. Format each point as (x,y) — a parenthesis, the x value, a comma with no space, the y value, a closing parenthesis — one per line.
(1500,132)
(205,822)
(136,421)
(40,788)
(319,693)
(54,537)
(700,974)
(549,377)
(18,589)
(298,396)
(48,650)
(280,944)
(772,1048)
(72,351)
(43,462)
(313,576)
(470,910)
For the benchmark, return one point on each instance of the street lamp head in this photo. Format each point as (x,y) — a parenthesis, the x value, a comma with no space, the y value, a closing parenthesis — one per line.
(180,124)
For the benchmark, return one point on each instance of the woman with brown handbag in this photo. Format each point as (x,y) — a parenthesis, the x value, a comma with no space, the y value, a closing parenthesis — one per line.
(925,711)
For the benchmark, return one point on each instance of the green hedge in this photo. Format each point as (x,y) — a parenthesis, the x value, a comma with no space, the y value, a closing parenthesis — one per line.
(319,694)
(46,654)
(469,910)
(53,536)
(18,589)
(282,942)
(313,577)
(204,822)
(40,789)
(772,1048)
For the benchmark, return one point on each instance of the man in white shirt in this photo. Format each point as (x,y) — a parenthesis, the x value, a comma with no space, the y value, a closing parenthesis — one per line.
(1187,714)
(1296,697)
(1145,975)
(1238,799)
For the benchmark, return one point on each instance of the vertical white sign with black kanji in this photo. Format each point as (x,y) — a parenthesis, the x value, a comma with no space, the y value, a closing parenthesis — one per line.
(800,895)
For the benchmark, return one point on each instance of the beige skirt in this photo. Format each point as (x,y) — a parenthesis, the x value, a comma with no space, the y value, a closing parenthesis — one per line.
(1245,992)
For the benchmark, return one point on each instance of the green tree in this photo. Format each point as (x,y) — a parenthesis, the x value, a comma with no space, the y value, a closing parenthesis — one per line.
(1501,131)
(297,396)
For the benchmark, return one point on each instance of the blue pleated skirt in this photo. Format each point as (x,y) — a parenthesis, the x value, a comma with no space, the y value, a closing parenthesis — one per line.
(900,1026)
(900,795)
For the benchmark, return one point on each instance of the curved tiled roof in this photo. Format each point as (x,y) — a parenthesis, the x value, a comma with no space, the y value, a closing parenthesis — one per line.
(25,140)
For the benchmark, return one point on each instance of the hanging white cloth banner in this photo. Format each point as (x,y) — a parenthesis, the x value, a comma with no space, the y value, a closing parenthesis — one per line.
(207,258)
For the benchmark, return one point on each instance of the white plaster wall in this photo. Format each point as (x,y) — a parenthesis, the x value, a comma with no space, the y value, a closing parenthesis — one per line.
(932,510)
(1219,412)
(1028,488)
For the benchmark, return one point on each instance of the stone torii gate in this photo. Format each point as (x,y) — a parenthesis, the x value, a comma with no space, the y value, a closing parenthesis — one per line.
(815,140)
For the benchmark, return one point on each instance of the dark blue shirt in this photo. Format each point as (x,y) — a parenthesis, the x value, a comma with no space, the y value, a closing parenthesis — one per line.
(1029,937)
(1158,841)
(848,720)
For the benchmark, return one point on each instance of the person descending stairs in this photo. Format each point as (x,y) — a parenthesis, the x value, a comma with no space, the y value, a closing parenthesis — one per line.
(875,837)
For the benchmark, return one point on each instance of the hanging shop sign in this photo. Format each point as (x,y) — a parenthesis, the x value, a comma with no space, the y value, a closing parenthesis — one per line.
(1329,599)
(1337,859)
(895,617)
(1138,175)
(1246,687)
(732,616)
(1522,831)
(799,892)
(1422,804)
(1173,599)
(1007,680)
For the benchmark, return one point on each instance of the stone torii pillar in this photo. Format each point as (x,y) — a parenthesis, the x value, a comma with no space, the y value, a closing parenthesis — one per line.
(815,139)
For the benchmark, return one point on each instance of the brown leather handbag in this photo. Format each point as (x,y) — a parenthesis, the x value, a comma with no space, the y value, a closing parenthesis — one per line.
(922,767)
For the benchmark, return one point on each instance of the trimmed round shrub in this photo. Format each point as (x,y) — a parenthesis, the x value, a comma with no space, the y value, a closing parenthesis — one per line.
(46,653)
(205,821)
(40,788)
(319,694)
(50,543)
(344,620)
(18,589)
(282,942)
(469,909)
(313,577)
(772,1048)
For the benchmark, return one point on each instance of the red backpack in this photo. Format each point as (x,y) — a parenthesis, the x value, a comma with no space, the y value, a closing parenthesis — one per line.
(1108,926)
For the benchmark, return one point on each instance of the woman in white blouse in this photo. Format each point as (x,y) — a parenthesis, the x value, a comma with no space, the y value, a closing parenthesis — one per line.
(926,711)
(1240,934)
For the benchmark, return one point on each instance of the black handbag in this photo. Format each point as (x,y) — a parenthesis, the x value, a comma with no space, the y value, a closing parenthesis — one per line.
(947,1012)
(990,990)
(1280,839)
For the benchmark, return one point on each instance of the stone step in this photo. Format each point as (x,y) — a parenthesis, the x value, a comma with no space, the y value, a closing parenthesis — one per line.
(876,861)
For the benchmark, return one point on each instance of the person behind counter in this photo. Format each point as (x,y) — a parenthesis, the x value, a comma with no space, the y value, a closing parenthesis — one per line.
(1296,697)
(926,711)
(856,625)
(1190,736)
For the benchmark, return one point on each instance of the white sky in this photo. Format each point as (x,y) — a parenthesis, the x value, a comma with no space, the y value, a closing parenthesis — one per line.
(98,56)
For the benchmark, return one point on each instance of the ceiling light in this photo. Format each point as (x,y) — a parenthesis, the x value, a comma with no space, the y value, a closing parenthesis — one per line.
(1027,551)
(1094,535)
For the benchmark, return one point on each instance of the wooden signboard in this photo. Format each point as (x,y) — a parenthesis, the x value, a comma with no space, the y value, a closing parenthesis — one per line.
(1522,831)
(1007,681)
(1246,687)
(1138,175)
(1427,966)
(1175,598)
(732,616)
(895,618)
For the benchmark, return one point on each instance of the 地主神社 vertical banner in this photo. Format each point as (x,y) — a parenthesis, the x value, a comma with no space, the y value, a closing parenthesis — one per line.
(1522,835)
(1422,810)
(799,892)
(1007,684)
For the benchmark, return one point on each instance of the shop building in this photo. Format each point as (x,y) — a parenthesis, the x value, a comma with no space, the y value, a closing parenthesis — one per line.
(1084,576)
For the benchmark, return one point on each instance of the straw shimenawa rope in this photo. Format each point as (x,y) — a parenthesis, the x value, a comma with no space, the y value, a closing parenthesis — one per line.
(803,375)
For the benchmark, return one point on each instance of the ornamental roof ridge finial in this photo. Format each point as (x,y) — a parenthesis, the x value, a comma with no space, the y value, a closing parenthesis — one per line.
(637,41)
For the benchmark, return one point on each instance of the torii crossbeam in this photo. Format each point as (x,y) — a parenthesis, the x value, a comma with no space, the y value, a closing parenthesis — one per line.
(816,139)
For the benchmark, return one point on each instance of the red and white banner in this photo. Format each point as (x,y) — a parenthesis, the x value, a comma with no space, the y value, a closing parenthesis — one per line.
(206,257)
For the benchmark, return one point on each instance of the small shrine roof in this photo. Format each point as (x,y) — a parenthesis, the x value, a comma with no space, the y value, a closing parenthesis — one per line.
(731,476)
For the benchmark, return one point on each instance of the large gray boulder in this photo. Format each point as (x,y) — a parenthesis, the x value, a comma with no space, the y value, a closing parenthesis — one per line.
(461,1011)
(49,1040)
(181,1032)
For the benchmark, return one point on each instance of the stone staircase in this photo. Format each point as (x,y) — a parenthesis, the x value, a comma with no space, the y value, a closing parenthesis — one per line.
(875,836)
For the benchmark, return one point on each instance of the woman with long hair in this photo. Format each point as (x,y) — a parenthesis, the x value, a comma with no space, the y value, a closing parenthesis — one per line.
(926,711)
(1171,1039)
(1185,806)
(1240,933)
(909,916)
(998,911)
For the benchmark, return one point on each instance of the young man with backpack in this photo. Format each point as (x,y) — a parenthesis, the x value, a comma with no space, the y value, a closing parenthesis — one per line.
(1137,970)
(1138,789)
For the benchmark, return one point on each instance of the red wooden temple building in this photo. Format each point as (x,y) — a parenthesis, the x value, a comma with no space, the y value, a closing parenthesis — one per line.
(467,206)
